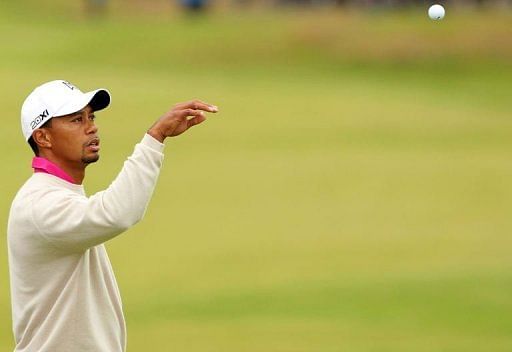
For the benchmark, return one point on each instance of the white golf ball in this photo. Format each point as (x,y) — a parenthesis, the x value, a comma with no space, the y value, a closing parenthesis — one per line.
(436,12)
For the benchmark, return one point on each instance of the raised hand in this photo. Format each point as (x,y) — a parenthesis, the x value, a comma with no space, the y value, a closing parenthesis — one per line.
(180,118)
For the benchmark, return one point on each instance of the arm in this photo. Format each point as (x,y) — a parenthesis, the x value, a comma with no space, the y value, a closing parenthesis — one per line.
(73,222)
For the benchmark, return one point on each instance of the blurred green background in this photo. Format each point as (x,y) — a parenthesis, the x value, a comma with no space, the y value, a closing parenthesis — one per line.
(353,194)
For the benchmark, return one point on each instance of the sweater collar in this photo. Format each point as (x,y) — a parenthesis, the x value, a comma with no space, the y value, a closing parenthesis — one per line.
(46,166)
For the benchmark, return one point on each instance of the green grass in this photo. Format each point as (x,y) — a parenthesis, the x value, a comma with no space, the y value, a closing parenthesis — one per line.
(353,194)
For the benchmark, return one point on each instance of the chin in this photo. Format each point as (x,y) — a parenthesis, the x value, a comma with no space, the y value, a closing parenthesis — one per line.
(90,159)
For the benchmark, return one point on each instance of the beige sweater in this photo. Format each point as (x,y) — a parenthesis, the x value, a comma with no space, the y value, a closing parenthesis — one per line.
(63,290)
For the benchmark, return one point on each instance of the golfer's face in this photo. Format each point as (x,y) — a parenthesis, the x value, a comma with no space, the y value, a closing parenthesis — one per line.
(75,137)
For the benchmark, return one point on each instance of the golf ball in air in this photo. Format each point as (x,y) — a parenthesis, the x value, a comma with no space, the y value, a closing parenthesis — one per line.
(436,12)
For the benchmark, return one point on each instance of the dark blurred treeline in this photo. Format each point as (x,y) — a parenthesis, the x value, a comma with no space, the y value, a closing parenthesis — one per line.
(374,3)
(99,6)
(384,3)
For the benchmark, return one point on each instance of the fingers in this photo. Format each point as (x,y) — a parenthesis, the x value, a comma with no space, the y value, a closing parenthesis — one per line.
(197,105)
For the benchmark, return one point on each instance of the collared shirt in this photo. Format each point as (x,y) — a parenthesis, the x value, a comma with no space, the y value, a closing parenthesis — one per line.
(46,166)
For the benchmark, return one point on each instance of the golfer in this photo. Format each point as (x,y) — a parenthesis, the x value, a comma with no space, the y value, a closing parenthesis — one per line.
(63,290)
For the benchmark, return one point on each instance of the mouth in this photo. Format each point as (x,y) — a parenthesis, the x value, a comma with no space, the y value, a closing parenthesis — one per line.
(93,144)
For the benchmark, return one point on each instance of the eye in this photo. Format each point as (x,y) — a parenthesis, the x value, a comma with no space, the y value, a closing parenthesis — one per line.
(92,117)
(78,119)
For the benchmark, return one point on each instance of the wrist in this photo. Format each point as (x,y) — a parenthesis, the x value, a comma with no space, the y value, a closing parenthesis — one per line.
(153,132)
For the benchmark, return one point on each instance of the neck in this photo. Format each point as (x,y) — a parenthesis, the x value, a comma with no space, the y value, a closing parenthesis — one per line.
(75,170)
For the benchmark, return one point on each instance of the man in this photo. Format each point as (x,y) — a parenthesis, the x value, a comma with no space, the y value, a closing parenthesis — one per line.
(63,290)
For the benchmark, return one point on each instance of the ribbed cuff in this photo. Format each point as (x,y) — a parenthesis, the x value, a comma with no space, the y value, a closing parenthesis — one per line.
(152,143)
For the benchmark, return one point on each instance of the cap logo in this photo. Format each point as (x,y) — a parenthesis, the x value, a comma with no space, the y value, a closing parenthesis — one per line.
(69,85)
(35,122)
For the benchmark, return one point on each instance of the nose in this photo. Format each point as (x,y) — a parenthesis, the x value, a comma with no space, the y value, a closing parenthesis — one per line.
(91,128)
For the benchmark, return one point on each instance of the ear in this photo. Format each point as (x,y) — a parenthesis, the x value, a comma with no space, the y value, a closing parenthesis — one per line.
(42,138)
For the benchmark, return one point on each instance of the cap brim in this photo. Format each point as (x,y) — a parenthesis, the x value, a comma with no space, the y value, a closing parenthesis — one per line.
(98,99)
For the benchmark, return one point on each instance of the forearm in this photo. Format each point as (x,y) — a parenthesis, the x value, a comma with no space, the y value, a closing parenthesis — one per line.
(126,199)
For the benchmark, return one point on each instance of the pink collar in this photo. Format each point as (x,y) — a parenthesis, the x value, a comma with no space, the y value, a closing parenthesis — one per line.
(46,166)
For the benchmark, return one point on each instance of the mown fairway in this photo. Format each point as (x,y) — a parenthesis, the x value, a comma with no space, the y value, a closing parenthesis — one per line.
(354,193)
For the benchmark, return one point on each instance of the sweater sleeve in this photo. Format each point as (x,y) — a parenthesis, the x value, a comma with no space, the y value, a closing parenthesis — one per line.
(73,222)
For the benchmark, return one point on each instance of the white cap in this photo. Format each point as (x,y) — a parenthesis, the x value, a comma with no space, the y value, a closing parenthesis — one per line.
(57,98)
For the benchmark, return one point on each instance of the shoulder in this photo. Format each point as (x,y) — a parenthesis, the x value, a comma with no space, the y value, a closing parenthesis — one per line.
(40,187)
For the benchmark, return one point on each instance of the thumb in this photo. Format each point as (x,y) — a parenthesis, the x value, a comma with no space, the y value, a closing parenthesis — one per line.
(196,120)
